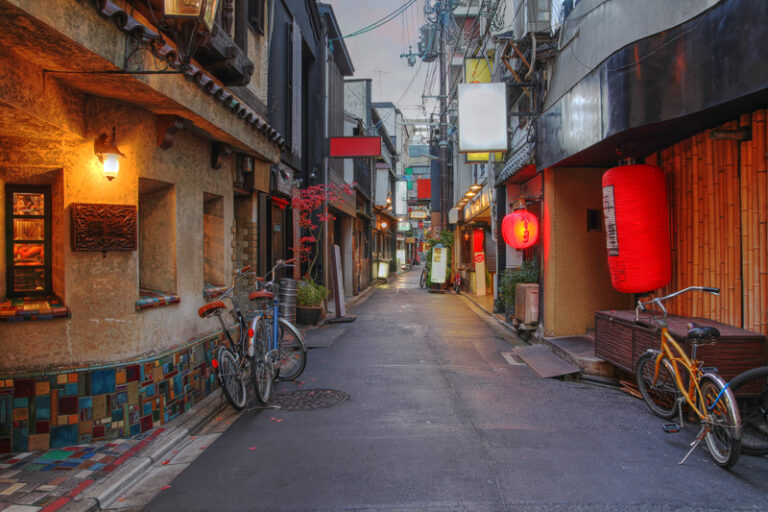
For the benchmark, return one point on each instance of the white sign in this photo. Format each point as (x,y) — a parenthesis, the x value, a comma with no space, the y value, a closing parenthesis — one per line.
(482,117)
(439,261)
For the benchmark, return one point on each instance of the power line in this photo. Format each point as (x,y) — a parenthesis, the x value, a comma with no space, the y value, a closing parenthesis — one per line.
(389,17)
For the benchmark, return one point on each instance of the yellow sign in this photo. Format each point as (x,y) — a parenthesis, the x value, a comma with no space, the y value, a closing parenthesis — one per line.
(477,70)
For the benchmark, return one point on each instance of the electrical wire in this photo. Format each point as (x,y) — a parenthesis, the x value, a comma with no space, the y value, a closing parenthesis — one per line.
(389,17)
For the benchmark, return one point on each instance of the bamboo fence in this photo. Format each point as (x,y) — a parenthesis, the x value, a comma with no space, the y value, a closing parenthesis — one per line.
(718,199)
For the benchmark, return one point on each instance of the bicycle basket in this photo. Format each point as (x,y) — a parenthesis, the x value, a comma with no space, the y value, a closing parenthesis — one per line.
(249,308)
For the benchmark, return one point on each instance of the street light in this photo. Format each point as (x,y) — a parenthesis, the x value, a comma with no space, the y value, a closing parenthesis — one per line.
(185,19)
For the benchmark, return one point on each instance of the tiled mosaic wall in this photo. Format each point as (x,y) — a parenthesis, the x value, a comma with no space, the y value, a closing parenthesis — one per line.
(43,411)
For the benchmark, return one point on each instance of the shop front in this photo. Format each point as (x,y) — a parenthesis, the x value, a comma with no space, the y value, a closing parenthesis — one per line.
(475,250)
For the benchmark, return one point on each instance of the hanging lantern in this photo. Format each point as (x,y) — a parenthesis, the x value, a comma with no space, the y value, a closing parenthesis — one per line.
(637,226)
(520,229)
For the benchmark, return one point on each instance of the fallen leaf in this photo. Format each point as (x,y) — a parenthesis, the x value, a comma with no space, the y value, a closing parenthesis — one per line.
(166,461)
(252,448)
(165,487)
(219,418)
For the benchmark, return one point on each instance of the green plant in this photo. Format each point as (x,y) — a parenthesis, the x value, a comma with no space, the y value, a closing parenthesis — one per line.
(528,272)
(310,293)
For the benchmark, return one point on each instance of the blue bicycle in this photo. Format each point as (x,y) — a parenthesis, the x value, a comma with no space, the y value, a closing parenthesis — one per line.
(275,346)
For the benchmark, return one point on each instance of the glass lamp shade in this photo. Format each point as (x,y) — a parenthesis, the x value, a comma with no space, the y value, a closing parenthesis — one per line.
(111,165)
(204,10)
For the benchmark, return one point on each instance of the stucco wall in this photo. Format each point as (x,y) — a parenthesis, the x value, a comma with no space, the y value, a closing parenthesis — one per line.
(101,289)
(575,268)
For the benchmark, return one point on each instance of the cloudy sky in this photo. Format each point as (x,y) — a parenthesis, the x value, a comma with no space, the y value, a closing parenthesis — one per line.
(376,54)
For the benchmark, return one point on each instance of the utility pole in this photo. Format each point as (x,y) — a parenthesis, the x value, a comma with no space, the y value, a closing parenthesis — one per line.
(443,142)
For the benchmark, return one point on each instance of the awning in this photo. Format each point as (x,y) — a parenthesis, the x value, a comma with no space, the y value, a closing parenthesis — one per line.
(519,166)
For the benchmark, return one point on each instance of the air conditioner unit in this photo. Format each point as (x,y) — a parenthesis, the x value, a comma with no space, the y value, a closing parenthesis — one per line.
(527,303)
(536,18)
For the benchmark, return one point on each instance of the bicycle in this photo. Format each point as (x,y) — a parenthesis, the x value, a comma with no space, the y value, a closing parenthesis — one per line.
(230,364)
(662,375)
(276,347)
(457,279)
(751,390)
(423,278)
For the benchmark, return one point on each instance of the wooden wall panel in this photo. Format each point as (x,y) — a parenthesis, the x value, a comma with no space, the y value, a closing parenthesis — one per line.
(718,196)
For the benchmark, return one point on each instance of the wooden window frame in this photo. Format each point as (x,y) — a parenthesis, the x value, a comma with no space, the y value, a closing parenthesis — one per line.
(46,217)
(256,15)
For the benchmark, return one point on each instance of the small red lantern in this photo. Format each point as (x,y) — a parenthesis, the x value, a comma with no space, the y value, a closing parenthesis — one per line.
(520,229)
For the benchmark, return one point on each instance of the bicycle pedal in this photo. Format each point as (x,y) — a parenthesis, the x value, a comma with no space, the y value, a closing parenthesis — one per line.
(671,428)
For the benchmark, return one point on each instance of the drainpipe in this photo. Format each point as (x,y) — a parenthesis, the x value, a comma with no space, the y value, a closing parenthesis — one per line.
(324,151)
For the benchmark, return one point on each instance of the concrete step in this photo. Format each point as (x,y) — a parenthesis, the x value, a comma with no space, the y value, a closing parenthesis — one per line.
(580,350)
(544,362)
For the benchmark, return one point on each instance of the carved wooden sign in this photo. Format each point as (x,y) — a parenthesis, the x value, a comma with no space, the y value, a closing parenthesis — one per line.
(104,227)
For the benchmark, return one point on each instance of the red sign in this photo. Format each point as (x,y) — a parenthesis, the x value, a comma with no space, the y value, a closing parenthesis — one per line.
(424,189)
(479,257)
(349,147)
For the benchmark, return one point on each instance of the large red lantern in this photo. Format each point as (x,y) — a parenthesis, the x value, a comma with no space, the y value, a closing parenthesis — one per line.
(637,228)
(520,229)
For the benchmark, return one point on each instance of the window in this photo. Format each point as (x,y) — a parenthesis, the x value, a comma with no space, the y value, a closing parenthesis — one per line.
(213,240)
(256,15)
(28,235)
(157,237)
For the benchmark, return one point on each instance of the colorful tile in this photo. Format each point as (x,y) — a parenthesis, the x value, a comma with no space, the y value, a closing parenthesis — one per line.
(42,388)
(102,381)
(63,436)
(68,405)
(23,388)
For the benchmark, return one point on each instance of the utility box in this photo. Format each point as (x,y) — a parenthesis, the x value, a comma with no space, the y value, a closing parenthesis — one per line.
(527,303)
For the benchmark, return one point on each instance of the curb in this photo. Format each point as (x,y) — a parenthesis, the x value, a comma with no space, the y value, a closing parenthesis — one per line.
(497,323)
(124,477)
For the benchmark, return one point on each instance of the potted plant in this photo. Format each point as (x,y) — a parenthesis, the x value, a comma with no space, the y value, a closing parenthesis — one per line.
(309,302)
(528,272)
(311,206)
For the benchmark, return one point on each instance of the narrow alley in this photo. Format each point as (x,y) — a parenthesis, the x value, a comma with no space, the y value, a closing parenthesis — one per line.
(429,415)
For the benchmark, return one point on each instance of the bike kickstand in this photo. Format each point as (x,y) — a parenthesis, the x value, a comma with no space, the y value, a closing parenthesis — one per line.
(694,444)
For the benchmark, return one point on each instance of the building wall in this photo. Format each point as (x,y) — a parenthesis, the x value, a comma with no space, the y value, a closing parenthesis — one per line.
(101,289)
(574,268)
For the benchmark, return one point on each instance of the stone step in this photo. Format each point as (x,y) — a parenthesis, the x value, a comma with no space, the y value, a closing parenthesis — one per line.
(580,350)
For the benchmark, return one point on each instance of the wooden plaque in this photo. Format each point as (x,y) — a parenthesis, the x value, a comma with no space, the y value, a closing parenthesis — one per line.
(104,227)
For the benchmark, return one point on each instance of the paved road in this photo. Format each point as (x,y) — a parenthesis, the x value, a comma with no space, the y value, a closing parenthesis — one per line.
(437,420)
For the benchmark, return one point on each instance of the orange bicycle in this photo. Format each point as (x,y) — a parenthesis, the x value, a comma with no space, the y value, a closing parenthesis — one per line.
(668,379)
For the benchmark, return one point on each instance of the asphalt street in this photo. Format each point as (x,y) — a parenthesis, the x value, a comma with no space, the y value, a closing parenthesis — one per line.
(413,407)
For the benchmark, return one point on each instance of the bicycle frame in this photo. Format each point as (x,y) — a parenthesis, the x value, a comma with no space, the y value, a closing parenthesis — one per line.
(675,354)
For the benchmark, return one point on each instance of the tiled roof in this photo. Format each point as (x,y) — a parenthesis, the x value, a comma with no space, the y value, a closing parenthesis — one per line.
(203,80)
(516,161)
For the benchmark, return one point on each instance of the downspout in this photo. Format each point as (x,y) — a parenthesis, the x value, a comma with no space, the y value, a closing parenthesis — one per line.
(323,149)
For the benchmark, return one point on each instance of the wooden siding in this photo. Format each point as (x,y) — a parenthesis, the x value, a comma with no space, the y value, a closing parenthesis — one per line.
(718,195)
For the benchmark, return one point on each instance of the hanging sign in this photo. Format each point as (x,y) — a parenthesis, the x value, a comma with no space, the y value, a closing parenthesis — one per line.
(354,147)
(439,261)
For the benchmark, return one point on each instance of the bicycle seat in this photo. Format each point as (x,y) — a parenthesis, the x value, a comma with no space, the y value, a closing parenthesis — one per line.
(261,294)
(211,308)
(701,334)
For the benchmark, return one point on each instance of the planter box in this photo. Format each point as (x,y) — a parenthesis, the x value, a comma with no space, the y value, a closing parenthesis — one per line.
(621,341)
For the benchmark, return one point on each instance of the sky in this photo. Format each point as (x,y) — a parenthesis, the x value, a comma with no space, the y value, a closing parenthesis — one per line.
(376,54)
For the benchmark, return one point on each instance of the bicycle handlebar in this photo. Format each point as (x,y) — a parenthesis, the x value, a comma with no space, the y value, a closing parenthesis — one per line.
(658,300)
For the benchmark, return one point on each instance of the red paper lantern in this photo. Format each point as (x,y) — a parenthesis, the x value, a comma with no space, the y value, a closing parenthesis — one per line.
(637,226)
(520,229)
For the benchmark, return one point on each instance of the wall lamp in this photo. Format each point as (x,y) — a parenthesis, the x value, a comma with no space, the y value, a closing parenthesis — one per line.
(108,154)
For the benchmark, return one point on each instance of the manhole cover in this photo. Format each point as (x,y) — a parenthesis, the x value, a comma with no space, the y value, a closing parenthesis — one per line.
(308,399)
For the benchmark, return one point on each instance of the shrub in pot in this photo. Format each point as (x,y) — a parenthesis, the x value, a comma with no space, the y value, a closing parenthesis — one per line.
(309,302)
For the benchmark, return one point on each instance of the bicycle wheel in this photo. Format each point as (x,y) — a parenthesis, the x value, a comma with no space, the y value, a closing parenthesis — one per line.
(292,353)
(229,376)
(661,394)
(423,278)
(752,399)
(262,370)
(724,435)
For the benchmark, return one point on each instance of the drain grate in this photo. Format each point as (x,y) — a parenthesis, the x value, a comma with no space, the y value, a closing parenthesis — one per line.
(308,399)
(513,359)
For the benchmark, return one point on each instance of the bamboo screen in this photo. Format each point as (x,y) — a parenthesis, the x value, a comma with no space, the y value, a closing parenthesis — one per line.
(718,195)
